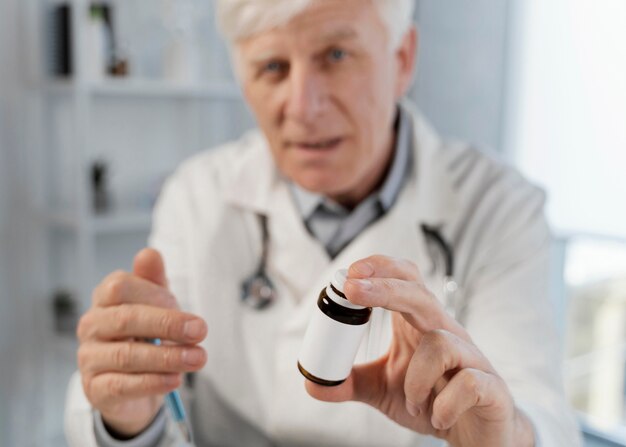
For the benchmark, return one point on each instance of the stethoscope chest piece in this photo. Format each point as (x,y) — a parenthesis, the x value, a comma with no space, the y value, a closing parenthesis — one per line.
(258,291)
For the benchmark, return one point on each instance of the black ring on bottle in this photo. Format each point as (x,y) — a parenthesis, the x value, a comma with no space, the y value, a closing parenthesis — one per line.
(317,380)
(342,314)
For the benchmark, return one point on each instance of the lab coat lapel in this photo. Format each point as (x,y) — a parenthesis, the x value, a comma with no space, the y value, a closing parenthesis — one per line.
(395,234)
(297,258)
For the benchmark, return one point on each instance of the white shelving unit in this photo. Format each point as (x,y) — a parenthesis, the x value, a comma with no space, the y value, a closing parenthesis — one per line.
(82,108)
(143,127)
(110,223)
(224,90)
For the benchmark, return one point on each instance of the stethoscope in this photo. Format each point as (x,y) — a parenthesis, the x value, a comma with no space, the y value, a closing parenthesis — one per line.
(450,286)
(258,291)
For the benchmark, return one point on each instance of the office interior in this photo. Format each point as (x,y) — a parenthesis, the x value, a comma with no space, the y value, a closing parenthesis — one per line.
(85,146)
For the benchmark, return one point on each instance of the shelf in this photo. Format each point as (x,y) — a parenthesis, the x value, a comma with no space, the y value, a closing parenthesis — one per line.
(113,223)
(227,90)
(123,222)
(62,346)
(58,86)
(61,221)
(213,90)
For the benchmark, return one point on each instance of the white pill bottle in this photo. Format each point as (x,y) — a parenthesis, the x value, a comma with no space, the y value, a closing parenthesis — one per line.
(333,336)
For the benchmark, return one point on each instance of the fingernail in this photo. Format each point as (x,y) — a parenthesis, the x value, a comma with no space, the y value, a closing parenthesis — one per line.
(436,424)
(364,268)
(364,284)
(412,409)
(192,357)
(194,328)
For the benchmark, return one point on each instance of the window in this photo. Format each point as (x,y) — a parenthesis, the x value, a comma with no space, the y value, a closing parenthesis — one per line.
(566,131)
(595,374)
(567,126)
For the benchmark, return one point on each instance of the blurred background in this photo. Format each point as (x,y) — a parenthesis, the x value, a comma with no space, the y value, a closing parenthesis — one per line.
(100,101)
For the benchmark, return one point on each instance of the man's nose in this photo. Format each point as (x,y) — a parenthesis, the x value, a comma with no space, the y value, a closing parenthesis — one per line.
(306,95)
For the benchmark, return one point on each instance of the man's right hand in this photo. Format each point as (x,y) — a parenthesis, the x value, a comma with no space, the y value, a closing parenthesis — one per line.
(124,377)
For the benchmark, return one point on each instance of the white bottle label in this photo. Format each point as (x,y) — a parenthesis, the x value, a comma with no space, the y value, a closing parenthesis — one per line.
(330,347)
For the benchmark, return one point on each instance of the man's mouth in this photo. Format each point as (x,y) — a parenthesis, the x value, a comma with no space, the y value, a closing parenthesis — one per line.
(318,145)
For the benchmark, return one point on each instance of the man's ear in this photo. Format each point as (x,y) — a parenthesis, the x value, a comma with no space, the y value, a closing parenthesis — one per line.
(406,57)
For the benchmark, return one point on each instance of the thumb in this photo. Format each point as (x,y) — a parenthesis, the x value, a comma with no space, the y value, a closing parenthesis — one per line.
(148,264)
(364,384)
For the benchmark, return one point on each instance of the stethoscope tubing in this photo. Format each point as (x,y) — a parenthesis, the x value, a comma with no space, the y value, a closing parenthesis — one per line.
(258,291)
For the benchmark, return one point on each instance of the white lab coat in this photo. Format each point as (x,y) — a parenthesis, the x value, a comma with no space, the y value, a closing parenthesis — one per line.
(250,393)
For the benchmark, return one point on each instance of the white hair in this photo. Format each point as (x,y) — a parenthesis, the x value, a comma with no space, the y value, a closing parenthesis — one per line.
(238,19)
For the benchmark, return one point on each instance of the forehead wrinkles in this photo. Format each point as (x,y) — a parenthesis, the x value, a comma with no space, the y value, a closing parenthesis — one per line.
(325,22)
(308,32)
(276,43)
(318,24)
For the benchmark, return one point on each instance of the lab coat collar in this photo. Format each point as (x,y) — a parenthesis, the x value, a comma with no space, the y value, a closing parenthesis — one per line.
(254,176)
(436,197)
(257,183)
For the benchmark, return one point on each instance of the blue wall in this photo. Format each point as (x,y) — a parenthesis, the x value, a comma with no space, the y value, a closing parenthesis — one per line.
(462,67)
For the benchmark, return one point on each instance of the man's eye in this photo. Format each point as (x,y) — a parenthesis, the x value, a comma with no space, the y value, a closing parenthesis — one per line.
(337,54)
(274,67)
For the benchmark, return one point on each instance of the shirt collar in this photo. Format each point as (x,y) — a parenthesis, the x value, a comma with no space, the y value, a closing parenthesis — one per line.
(401,161)
(308,202)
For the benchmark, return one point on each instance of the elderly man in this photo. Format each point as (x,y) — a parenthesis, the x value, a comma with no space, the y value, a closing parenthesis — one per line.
(343,172)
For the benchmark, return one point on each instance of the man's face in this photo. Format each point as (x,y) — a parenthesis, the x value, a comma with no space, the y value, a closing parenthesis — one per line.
(323,89)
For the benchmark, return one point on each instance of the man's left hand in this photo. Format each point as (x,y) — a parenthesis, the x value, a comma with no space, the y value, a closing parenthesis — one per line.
(433,379)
